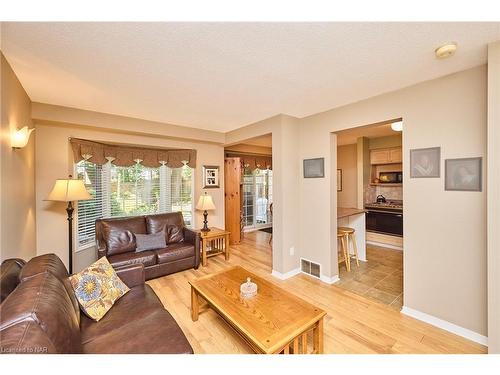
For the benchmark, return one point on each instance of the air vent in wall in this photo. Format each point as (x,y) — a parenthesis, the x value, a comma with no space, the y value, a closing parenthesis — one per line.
(310,268)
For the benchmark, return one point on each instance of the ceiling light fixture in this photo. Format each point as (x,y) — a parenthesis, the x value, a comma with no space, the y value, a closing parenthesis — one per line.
(397,126)
(446,50)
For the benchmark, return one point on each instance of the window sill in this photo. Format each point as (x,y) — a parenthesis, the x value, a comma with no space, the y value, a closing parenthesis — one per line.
(84,247)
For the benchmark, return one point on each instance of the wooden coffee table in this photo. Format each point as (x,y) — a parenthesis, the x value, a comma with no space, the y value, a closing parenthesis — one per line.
(274,321)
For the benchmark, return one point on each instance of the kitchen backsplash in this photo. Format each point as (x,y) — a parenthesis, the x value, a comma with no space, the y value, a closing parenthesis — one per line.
(389,192)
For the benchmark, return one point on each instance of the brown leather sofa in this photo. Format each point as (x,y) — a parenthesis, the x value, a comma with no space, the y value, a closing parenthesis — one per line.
(41,315)
(9,276)
(116,240)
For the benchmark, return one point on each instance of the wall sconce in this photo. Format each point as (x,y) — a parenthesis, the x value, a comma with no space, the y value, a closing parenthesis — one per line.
(20,137)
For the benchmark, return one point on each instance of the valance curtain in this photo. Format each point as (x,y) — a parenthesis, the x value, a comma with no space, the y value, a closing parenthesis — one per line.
(255,161)
(126,156)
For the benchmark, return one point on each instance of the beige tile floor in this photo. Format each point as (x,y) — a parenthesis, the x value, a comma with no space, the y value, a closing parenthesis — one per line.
(379,279)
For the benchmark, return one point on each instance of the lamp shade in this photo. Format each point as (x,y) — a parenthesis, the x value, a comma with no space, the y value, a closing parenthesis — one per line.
(68,191)
(205,203)
(20,137)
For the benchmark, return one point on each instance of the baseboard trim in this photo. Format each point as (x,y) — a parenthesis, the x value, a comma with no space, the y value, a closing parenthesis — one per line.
(447,326)
(286,275)
(329,280)
(380,244)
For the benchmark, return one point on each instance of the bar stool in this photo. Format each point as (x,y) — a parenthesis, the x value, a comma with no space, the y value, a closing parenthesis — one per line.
(343,248)
(349,235)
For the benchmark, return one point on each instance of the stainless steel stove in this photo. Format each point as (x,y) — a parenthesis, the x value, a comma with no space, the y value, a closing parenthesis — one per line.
(385,217)
(390,204)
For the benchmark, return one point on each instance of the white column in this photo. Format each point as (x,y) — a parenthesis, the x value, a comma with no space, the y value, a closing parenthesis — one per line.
(493,200)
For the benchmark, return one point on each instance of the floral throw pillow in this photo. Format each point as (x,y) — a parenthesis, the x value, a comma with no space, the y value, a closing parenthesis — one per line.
(97,288)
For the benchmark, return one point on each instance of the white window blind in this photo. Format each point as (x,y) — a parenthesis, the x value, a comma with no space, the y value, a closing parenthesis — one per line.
(92,209)
(130,191)
(179,192)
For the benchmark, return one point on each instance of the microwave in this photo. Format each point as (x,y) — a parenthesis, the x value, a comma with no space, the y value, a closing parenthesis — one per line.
(390,177)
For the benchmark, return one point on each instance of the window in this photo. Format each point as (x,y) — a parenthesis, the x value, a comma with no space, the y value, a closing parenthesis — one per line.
(129,191)
(257,197)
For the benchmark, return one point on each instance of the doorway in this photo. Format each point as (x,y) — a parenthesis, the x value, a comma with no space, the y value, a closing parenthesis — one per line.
(249,187)
(370,180)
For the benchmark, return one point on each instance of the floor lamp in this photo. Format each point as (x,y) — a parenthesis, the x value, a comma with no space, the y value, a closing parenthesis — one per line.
(69,190)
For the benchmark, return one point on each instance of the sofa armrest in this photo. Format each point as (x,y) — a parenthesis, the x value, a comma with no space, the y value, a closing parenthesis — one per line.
(194,238)
(132,275)
(101,251)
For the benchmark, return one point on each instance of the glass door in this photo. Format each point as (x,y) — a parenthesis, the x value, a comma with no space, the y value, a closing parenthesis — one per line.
(257,198)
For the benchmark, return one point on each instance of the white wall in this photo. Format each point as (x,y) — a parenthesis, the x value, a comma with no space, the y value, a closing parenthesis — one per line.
(347,156)
(445,236)
(17,171)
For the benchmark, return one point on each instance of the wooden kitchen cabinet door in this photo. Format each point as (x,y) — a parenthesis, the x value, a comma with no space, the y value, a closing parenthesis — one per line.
(232,196)
(396,155)
(380,156)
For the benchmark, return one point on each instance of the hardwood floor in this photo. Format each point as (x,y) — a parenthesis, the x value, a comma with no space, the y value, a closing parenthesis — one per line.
(380,279)
(353,324)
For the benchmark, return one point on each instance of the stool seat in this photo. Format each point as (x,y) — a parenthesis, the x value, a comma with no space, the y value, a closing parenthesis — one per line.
(345,230)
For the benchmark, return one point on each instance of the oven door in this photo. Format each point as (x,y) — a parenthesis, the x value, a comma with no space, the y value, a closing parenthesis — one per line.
(385,222)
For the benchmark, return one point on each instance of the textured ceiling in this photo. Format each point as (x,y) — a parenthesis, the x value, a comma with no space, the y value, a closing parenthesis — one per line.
(263,141)
(350,136)
(221,76)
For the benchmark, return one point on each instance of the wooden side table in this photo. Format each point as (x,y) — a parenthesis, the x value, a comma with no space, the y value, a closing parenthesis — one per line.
(214,242)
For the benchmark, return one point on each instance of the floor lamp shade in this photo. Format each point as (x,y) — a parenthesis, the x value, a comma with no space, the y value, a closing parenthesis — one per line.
(69,190)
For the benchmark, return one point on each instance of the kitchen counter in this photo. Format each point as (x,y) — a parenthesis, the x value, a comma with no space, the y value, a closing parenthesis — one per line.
(345,212)
(354,218)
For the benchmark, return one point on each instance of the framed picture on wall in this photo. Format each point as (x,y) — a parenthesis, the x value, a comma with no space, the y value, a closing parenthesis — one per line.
(425,162)
(210,176)
(463,174)
(314,168)
(339,179)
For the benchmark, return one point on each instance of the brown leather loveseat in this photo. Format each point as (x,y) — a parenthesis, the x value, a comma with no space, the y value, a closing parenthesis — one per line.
(116,240)
(41,315)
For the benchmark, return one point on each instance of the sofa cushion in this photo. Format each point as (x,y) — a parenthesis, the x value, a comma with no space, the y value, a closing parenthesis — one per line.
(42,300)
(148,258)
(9,276)
(118,234)
(138,303)
(97,288)
(155,333)
(174,252)
(172,224)
(150,241)
(53,264)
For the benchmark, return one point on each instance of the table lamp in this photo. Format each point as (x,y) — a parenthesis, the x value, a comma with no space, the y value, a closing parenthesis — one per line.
(69,190)
(205,203)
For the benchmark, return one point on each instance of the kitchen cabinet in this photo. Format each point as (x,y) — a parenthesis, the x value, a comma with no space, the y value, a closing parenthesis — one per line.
(396,155)
(386,156)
